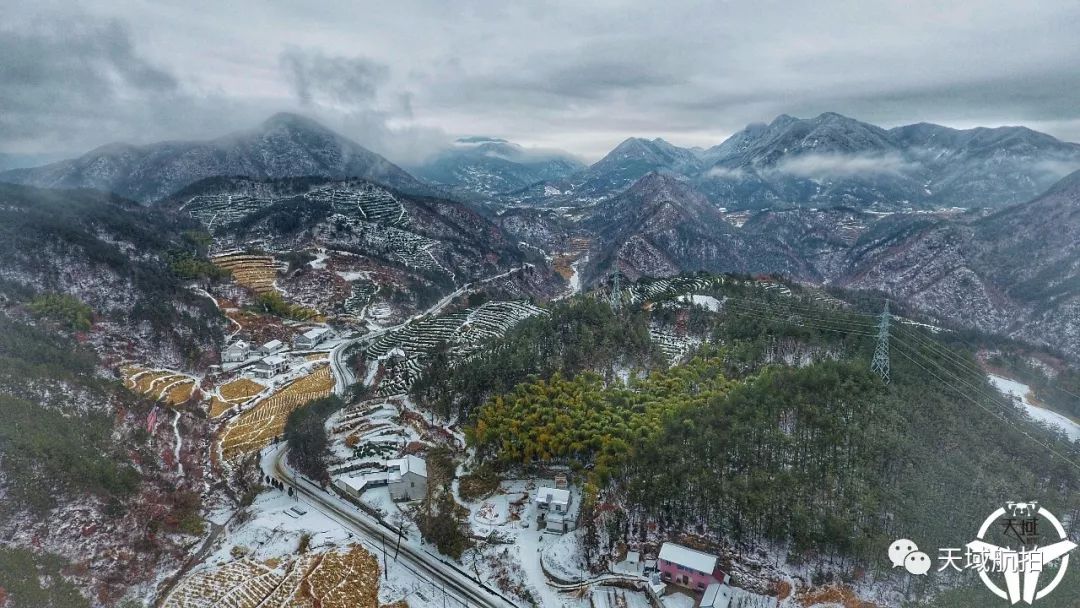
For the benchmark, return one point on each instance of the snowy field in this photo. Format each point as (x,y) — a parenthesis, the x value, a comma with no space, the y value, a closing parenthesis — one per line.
(1021,391)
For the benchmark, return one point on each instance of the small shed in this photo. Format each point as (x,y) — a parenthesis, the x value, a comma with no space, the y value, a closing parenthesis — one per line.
(717,595)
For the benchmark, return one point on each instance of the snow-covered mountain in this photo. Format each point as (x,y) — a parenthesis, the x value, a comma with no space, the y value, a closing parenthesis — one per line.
(488,166)
(286,145)
(833,160)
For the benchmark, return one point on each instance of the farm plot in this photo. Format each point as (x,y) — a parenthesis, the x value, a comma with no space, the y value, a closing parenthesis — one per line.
(669,288)
(221,210)
(237,392)
(336,579)
(161,385)
(253,429)
(462,331)
(256,272)
(391,242)
(363,201)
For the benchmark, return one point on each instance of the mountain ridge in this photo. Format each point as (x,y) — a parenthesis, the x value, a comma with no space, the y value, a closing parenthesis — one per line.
(284,145)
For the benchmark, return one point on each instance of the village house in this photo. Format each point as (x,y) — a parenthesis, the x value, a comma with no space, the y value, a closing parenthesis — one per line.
(553,509)
(268,367)
(271,348)
(688,567)
(407,478)
(236,352)
(311,338)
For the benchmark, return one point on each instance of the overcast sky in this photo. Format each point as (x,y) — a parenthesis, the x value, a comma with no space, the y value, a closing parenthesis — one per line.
(405,77)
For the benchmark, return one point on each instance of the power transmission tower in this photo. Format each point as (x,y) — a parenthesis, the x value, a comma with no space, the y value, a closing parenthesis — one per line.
(880,365)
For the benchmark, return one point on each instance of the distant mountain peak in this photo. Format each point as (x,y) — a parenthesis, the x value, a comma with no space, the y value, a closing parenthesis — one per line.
(284,145)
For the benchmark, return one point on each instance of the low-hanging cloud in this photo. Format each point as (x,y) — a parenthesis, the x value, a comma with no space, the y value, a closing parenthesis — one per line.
(845,165)
(719,172)
(317,77)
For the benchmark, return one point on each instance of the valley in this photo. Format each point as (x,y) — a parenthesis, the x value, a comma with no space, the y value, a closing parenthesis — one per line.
(521,381)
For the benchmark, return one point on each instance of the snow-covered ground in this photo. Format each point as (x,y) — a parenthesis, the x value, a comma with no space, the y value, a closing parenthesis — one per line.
(1022,392)
(707,302)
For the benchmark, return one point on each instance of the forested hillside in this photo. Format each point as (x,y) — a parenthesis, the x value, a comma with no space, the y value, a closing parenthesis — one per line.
(776,434)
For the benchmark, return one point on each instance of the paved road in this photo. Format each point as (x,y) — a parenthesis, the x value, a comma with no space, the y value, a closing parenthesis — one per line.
(456,582)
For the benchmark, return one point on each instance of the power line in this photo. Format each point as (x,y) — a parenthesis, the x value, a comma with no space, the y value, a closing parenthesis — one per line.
(959,360)
(997,415)
(779,315)
(767,317)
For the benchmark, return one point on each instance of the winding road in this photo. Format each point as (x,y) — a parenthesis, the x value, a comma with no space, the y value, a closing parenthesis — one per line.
(454,581)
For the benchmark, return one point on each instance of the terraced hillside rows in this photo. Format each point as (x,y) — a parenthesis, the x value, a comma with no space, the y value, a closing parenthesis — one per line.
(236,393)
(161,385)
(256,272)
(367,201)
(400,245)
(362,201)
(337,579)
(463,332)
(255,428)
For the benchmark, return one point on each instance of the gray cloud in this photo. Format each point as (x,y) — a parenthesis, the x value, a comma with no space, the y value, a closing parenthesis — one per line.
(407,77)
(349,81)
(845,165)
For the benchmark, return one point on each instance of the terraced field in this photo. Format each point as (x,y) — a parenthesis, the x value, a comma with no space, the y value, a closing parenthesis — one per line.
(256,272)
(161,385)
(360,200)
(237,392)
(256,427)
(338,579)
(463,332)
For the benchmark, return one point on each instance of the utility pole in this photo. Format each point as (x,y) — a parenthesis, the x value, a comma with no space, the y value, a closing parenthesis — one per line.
(880,364)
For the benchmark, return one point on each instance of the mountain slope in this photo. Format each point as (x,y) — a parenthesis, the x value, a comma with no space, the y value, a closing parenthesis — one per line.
(89,283)
(286,145)
(426,234)
(832,159)
(661,226)
(493,166)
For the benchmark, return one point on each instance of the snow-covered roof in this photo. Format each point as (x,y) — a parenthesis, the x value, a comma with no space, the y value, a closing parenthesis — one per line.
(314,334)
(552,496)
(273,360)
(272,344)
(239,344)
(716,596)
(690,558)
(409,464)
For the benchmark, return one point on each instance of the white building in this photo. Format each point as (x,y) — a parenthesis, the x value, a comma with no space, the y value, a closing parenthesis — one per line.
(271,347)
(268,367)
(407,478)
(716,595)
(236,352)
(311,338)
(553,509)
(554,500)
